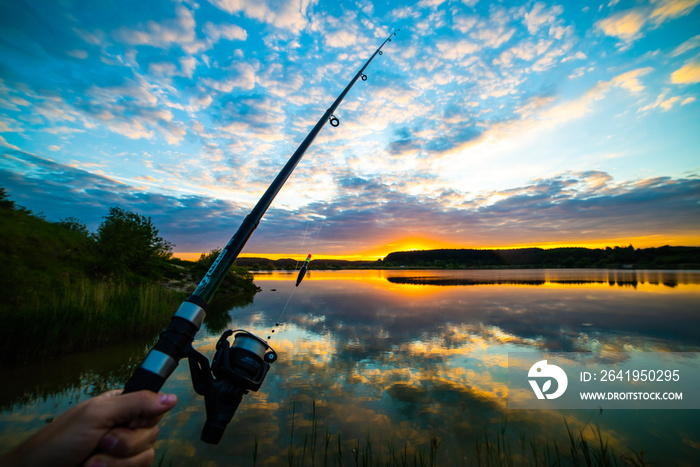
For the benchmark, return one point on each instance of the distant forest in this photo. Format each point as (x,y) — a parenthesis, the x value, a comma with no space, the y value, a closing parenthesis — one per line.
(265,264)
(678,257)
(665,257)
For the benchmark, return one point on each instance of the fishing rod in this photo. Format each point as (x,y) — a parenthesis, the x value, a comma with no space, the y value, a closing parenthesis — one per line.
(243,365)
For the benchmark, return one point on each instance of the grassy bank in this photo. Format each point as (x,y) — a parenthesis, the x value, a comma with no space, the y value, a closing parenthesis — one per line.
(66,290)
(82,315)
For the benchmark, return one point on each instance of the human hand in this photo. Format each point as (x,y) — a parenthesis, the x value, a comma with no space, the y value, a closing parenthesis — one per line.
(112,429)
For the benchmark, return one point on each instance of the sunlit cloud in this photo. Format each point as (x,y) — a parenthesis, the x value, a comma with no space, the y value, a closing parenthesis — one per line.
(629,25)
(371,216)
(630,80)
(665,10)
(625,25)
(663,101)
(687,74)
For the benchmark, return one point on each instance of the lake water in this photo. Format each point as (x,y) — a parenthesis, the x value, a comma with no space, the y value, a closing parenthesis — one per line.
(387,364)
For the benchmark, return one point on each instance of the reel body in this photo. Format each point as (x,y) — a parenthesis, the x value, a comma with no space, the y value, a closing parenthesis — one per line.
(235,370)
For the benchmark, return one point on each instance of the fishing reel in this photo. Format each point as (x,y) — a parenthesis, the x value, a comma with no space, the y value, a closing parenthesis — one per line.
(234,370)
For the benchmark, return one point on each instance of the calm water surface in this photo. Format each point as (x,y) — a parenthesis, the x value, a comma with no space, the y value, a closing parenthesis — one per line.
(401,358)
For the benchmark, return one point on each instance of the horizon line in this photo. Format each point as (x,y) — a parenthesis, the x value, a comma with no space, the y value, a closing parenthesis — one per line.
(193,256)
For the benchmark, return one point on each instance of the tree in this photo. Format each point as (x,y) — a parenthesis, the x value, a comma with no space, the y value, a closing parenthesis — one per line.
(74,225)
(129,242)
(5,202)
(207,259)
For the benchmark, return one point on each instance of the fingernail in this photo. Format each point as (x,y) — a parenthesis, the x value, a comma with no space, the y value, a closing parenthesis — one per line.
(167,399)
(107,444)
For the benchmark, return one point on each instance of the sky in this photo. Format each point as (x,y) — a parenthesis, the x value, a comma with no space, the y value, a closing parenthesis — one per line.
(484,124)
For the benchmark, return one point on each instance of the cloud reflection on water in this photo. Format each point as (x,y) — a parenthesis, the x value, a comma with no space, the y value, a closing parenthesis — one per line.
(573,317)
(404,362)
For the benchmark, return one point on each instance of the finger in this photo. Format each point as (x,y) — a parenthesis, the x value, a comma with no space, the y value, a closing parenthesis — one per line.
(144,459)
(124,442)
(144,422)
(112,393)
(136,405)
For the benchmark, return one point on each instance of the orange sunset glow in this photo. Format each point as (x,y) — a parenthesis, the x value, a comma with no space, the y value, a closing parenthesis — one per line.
(424,243)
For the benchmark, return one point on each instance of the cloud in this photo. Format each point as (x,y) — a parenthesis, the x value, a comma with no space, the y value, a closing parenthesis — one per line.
(170,69)
(690,44)
(5,144)
(291,15)
(178,31)
(456,50)
(464,24)
(231,32)
(188,65)
(254,116)
(687,74)
(493,37)
(628,25)
(430,3)
(544,51)
(404,12)
(572,206)
(60,191)
(665,10)
(539,16)
(78,53)
(541,113)
(244,77)
(493,32)
(135,108)
(576,108)
(132,130)
(630,80)
(342,38)
(663,102)
(283,82)
(405,145)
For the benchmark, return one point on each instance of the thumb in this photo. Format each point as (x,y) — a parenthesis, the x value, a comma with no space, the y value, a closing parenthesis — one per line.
(120,409)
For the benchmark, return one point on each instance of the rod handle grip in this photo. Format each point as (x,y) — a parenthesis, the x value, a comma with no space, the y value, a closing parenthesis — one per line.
(173,344)
(144,379)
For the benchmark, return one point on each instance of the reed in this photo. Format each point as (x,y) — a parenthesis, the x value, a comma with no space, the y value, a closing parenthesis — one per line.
(83,315)
(496,447)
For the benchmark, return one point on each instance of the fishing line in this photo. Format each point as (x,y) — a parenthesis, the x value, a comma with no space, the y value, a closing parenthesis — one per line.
(319,231)
(291,294)
(303,240)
